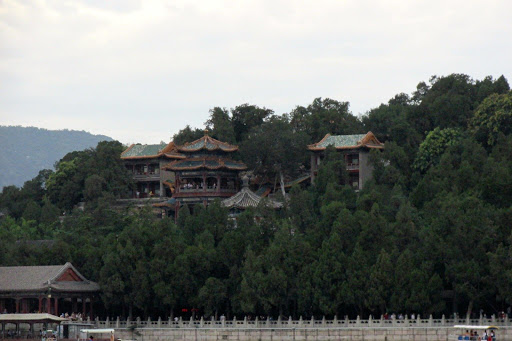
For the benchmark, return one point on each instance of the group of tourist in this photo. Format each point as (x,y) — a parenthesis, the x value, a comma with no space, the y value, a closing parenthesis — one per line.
(473,336)
(393,316)
(72,317)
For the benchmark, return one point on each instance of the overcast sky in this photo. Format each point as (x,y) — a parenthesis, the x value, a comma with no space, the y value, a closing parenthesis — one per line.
(139,71)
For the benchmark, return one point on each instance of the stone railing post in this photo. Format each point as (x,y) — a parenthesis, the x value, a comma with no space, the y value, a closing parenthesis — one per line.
(493,319)
(107,322)
(370,320)
(148,324)
(234,322)
(301,323)
(323,322)
(443,320)
(138,321)
(267,323)
(245,321)
(180,322)
(201,322)
(312,321)
(256,322)
(358,321)
(279,325)
(191,322)
(117,322)
(159,322)
(223,322)
(128,322)
(335,321)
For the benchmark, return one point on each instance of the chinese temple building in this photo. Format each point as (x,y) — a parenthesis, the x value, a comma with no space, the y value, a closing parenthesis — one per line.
(145,162)
(205,173)
(247,198)
(51,289)
(355,150)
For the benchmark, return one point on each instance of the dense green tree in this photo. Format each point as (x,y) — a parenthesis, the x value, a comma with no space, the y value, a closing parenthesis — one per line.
(220,126)
(434,146)
(246,117)
(492,117)
(325,116)
(274,150)
(187,134)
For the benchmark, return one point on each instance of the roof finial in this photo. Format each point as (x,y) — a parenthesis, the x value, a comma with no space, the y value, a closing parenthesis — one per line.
(245,181)
(205,131)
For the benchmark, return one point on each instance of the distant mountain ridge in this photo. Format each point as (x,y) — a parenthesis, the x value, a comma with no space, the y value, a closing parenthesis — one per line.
(27,150)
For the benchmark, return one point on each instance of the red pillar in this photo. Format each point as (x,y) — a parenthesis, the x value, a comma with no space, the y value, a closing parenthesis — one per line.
(17,305)
(49,305)
(56,308)
(83,307)
(90,305)
(40,305)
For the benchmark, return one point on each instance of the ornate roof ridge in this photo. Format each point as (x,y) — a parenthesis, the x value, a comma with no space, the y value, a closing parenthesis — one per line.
(203,142)
(201,162)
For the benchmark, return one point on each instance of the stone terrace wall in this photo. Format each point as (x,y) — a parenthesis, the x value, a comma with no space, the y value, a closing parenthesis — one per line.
(296,334)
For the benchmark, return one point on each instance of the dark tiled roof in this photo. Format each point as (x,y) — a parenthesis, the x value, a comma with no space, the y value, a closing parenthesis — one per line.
(205,162)
(347,142)
(298,180)
(247,198)
(39,278)
(208,143)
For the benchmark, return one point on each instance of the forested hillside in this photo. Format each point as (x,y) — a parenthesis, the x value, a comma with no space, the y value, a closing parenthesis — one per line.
(27,150)
(430,234)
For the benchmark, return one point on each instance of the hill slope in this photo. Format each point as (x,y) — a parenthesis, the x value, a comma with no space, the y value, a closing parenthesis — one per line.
(27,150)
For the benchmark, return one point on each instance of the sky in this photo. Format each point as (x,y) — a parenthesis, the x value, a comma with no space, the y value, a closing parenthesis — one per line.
(139,71)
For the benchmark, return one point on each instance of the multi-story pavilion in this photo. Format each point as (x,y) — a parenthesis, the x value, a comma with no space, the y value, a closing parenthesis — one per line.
(355,150)
(206,173)
(51,289)
(145,162)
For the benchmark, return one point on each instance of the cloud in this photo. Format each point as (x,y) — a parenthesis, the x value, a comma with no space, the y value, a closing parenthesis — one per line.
(143,69)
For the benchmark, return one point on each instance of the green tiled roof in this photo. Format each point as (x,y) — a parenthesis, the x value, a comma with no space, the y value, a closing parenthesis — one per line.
(298,180)
(139,150)
(367,140)
(341,140)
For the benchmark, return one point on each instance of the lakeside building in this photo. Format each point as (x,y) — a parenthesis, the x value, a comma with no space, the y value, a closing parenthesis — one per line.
(145,162)
(355,150)
(52,288)
(207,172)
(169,176)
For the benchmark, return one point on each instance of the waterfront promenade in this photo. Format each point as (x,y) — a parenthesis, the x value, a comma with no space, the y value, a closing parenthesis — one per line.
(299,330)
(300,323)
(370,329)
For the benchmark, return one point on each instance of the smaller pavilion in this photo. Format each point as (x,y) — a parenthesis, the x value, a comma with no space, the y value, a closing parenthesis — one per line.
(49,288)
(246,198)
